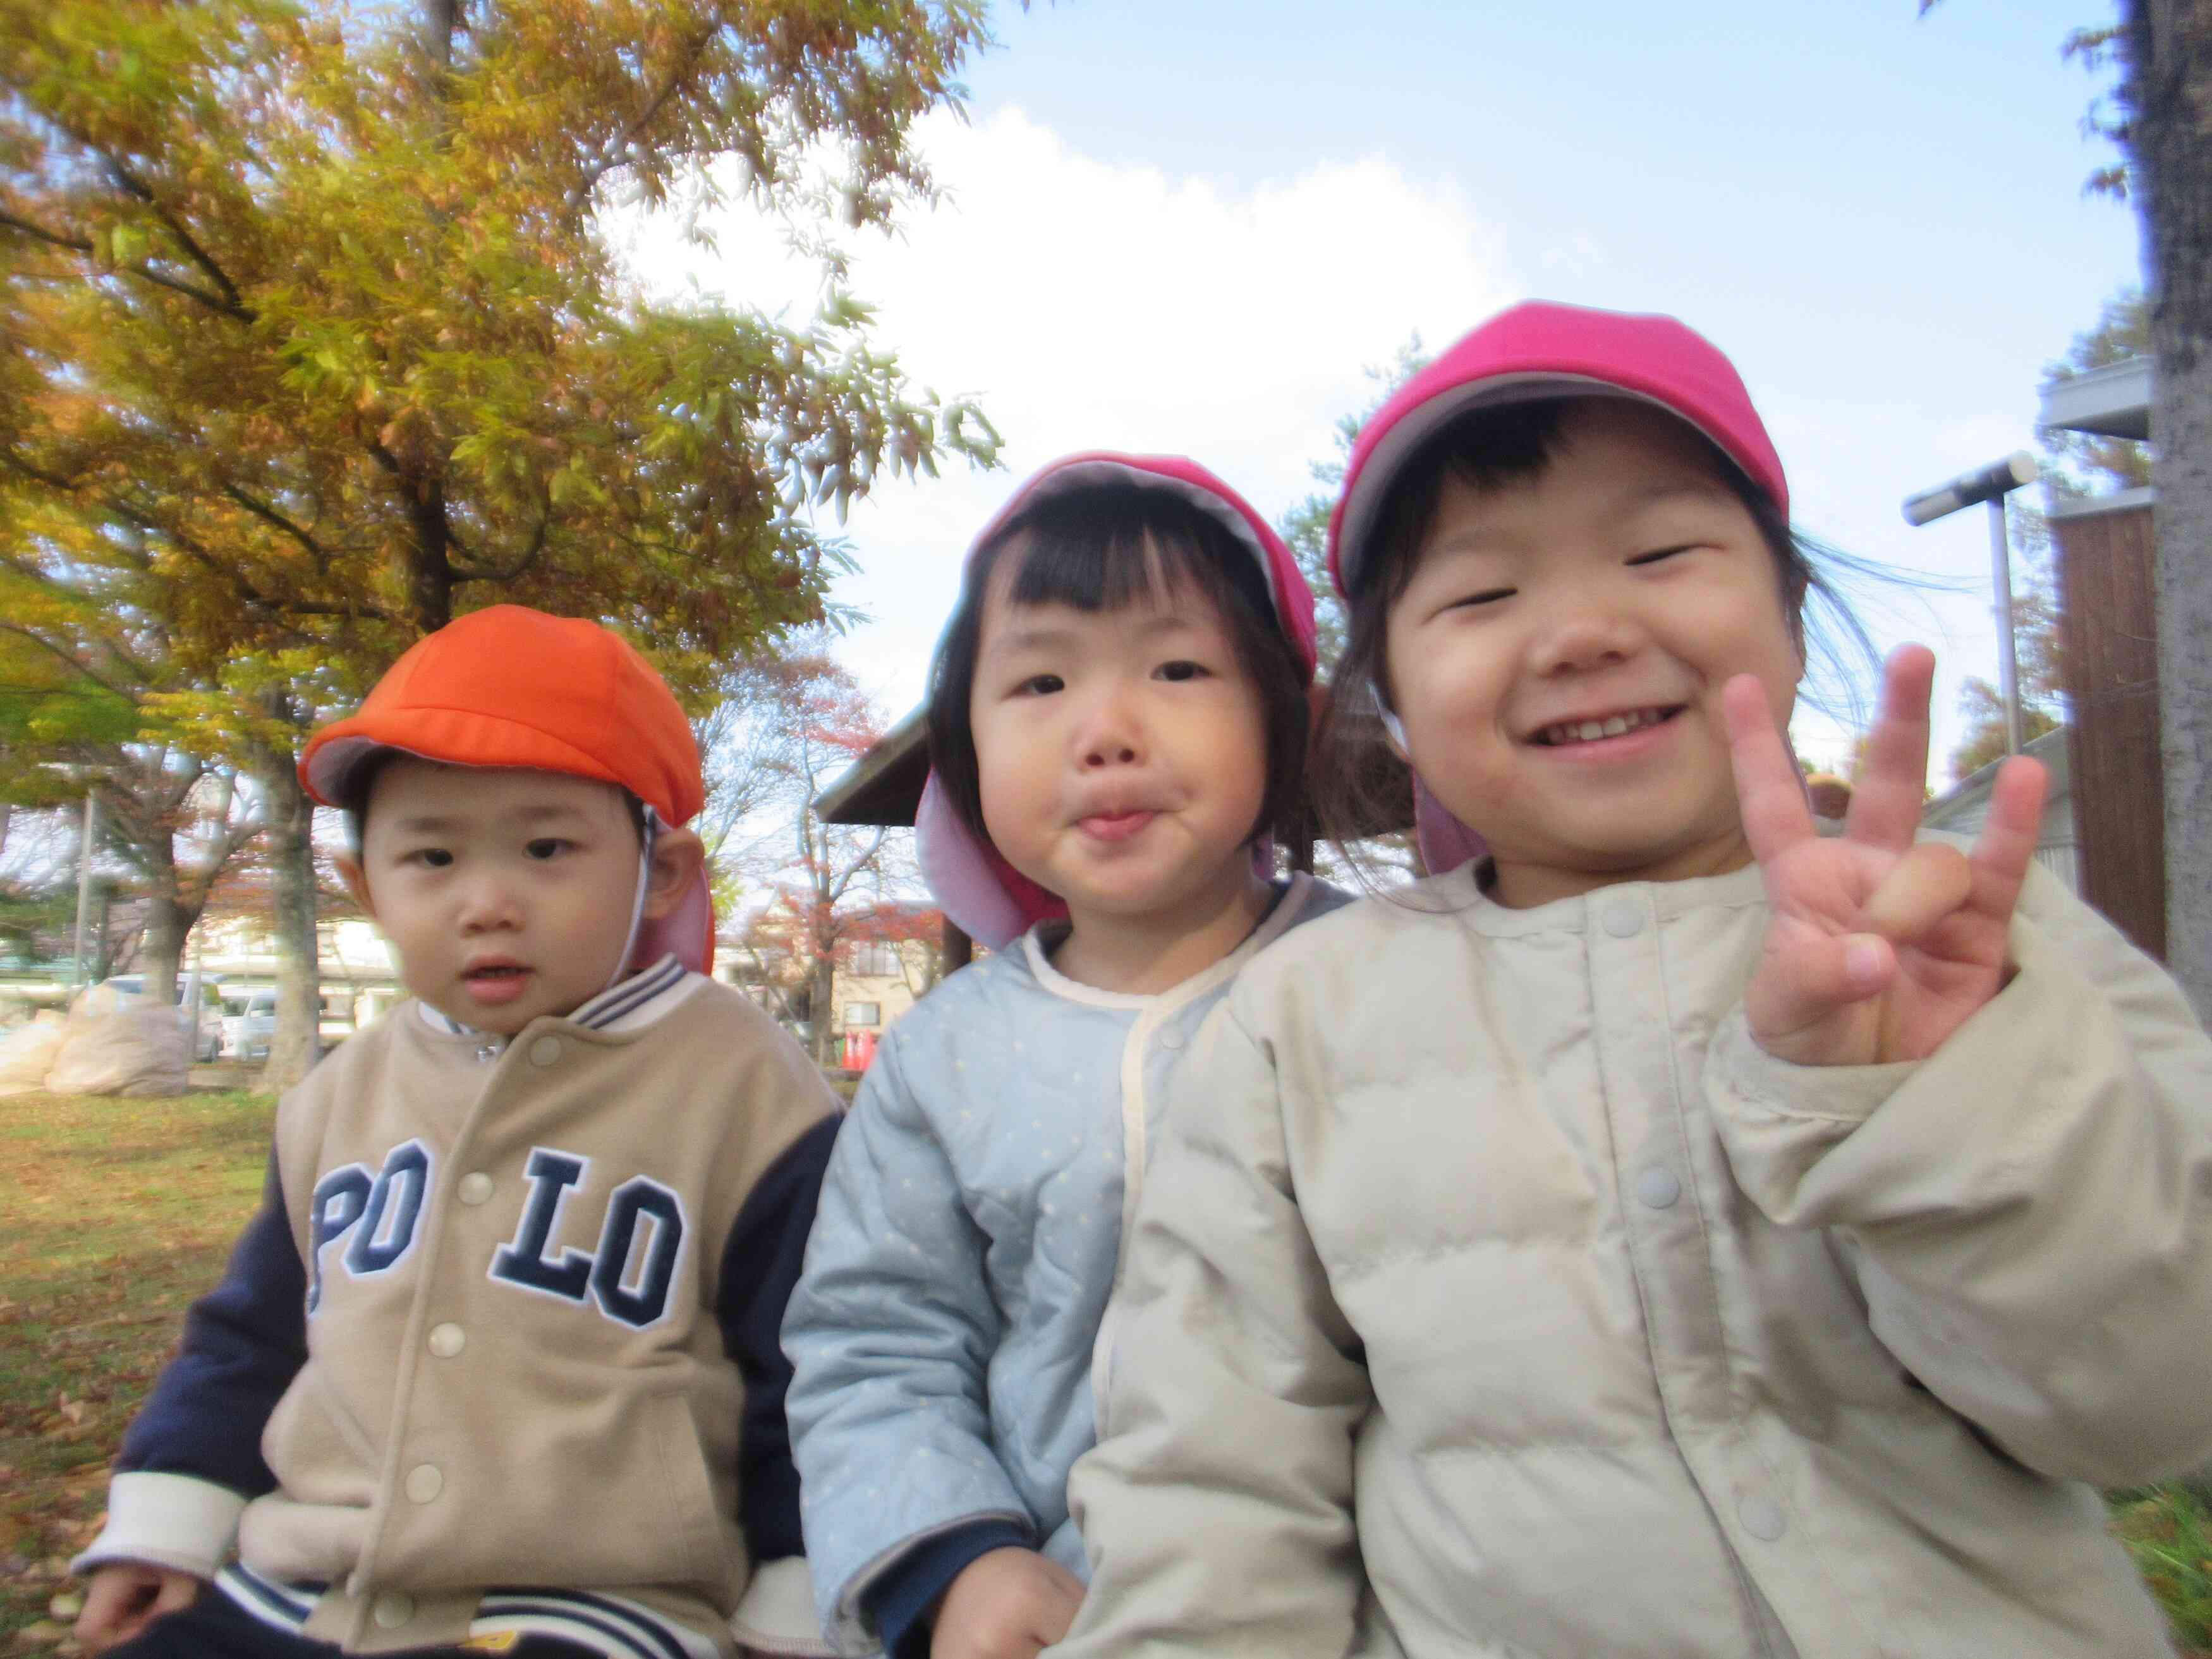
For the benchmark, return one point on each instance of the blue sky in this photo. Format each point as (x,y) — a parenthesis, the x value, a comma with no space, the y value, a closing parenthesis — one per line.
(1193,225)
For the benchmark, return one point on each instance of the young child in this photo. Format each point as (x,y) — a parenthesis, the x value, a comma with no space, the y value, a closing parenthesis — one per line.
(1677,1232)
(496,1364)
(1118,718)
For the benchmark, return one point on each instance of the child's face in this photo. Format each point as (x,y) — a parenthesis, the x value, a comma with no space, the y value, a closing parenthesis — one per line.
(506,894)
(1624,583)
(1122,754)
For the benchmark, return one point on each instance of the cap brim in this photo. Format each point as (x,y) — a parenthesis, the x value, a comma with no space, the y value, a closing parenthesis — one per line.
(1363,502)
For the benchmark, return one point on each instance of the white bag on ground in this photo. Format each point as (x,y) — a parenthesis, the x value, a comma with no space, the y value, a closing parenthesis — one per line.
(121,1045)
(27,1054)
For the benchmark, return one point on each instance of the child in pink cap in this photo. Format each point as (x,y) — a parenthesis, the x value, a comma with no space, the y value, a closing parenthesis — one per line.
(1674,1228)
(1117,725)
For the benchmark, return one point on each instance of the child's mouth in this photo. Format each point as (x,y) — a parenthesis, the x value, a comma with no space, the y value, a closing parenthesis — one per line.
(496,982)
(1567,734)
(1116,826)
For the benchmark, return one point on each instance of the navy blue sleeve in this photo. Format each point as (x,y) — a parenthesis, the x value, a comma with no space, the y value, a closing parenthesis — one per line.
(898,1604)
(244,1342)
(761,1262)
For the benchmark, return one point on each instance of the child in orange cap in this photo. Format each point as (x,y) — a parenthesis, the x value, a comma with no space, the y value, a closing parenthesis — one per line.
(495,1367)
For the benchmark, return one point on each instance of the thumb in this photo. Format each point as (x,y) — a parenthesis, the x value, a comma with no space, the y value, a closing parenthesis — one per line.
(1812,979)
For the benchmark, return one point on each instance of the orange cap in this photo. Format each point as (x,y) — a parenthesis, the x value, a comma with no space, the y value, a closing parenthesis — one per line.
(510,686)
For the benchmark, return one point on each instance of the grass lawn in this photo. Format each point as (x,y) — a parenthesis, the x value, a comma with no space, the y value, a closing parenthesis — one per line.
(115,1213)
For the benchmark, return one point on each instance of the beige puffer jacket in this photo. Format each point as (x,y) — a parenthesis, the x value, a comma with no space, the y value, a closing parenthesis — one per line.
(1621,1338)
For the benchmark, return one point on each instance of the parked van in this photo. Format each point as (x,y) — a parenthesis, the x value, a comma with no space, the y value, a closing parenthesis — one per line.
(248,1023)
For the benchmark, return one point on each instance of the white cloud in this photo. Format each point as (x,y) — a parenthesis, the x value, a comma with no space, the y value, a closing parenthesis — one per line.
(1088,305)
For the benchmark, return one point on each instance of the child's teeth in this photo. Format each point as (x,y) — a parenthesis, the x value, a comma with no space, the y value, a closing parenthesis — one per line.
(1615,726)
(1591,730)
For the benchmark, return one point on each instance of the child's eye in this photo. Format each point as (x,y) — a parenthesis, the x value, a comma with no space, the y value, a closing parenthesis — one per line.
(1181,669)
(1040,685)
(546,847)
(1487,596)
(1659,553)
(430,858)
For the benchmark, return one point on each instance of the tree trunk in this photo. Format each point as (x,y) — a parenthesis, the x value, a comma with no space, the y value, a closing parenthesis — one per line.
(168,924)
(292,1048)
(2168,97)
(821,994)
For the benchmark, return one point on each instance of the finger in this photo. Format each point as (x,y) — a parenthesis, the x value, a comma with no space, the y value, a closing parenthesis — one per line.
(1814,979)
(1769,791)
(1887,795)
(1057,1616)
(1930,882)
(179,1591)
(2009,835)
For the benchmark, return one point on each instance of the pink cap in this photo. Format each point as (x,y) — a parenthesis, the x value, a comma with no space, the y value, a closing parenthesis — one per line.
(1542,349)
(987,897)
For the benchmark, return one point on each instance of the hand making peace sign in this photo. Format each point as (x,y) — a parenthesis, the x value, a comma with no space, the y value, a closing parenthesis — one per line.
(1877,948)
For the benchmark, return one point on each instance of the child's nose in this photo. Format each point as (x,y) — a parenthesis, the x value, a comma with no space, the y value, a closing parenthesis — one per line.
(1583,632)
(1111,734)
(487,903)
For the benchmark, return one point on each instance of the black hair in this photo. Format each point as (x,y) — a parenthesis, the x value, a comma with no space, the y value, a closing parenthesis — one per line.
(1099,549)
(1494,447)
(359,785)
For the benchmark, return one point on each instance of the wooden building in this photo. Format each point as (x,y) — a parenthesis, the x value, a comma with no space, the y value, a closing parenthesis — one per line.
(2108,634)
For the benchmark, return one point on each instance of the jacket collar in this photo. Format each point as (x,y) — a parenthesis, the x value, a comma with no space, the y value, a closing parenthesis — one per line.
(644,998)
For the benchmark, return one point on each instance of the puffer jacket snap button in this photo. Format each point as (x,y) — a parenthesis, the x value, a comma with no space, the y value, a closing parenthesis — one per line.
(1762,1518)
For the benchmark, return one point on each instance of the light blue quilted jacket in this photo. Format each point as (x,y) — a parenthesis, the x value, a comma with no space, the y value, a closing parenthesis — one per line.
(943,1334)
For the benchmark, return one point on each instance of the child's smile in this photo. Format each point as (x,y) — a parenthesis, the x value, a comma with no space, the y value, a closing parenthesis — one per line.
(1557,656)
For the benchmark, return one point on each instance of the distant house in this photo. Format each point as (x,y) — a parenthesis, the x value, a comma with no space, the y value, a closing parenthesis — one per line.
(887,963)
(2057,848)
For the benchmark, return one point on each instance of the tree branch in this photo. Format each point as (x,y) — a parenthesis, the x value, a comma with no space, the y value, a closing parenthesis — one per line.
(270,515)
(618,150)
(40,639)
(523,561)
(199,255)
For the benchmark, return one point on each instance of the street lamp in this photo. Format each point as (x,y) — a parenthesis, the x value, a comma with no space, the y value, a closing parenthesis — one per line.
(1991,484)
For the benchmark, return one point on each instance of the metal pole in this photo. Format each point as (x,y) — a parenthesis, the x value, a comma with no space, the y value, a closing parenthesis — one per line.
(2008,663)
(84,886)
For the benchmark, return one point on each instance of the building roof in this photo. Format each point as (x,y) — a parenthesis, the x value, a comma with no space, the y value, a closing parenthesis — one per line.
(883,787)
(1963,804)
(2113,401)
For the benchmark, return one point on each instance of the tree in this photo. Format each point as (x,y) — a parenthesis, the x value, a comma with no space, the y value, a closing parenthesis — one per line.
(832,881)
(2162,50)
(2040,683)
(1304,528)
(1379,859)
(310,336)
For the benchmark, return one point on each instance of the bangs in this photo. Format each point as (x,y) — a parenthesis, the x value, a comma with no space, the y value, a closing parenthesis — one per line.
(1095,553)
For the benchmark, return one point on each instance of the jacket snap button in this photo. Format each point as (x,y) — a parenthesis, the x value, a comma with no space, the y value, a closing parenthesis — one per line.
(424,1482)
(489,1051)
(446,1341)
(475,1188)
(393,1610)
(1623,919)
(1657,1187)
(545,1051)
(1762,1518)
(1172,1038)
